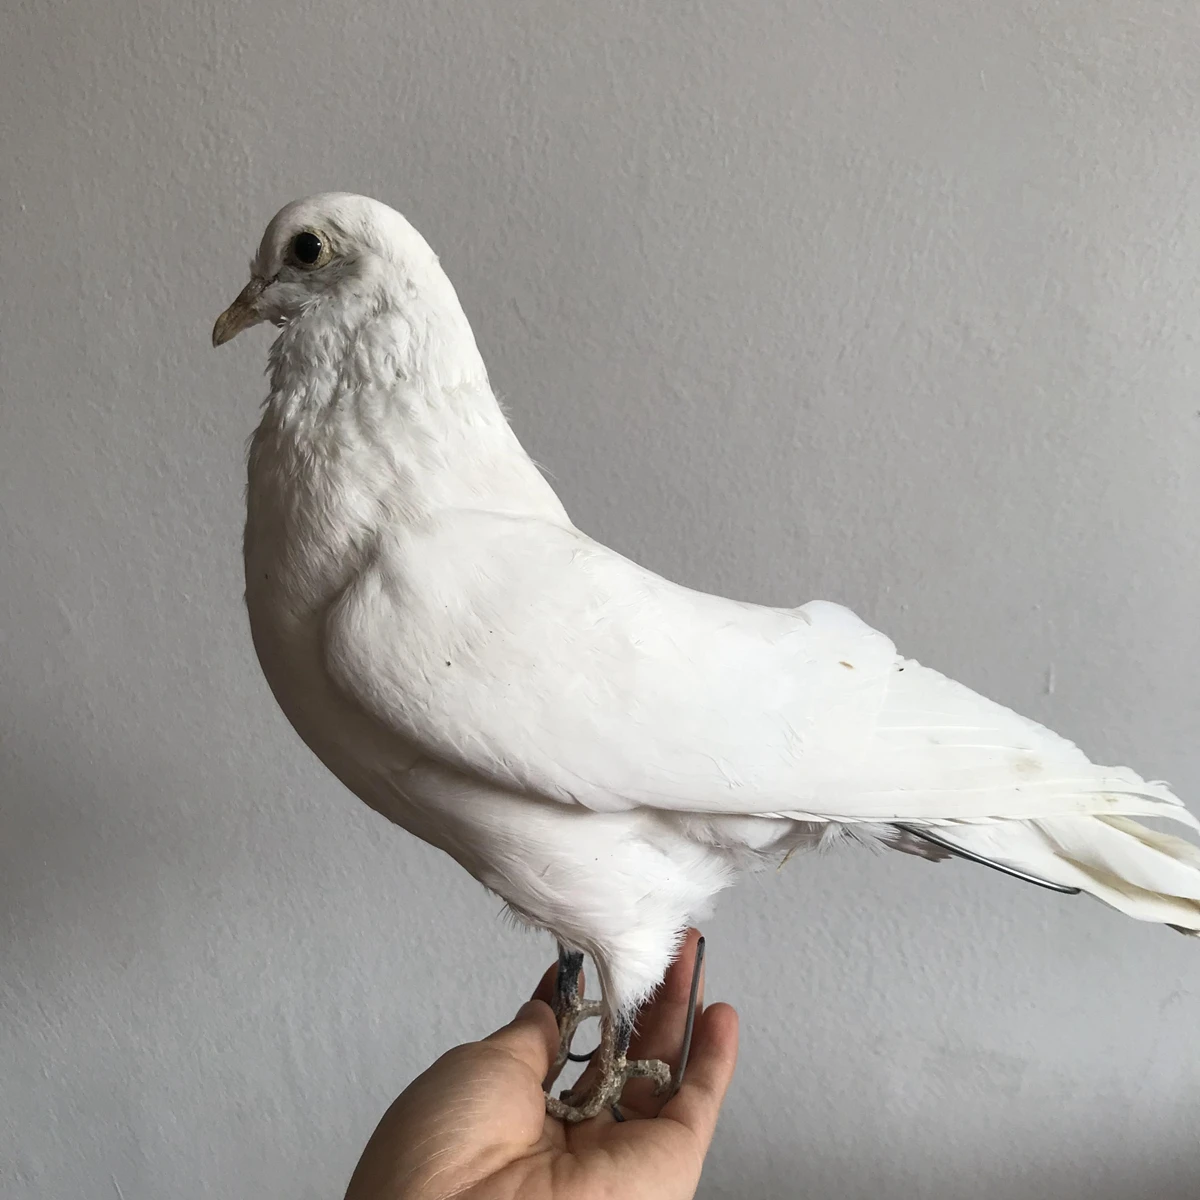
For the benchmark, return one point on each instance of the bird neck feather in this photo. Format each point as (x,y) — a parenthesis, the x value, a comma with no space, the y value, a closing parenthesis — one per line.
(381,388)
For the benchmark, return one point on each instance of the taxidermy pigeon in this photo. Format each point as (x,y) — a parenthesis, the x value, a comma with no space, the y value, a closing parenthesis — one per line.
(600,747)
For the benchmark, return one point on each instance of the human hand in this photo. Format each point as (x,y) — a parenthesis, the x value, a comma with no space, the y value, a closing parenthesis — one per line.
(474,1126)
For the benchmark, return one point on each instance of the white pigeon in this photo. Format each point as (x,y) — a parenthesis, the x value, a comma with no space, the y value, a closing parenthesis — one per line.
(600,747)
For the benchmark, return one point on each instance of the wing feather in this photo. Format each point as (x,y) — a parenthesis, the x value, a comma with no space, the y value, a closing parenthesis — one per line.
(524,653)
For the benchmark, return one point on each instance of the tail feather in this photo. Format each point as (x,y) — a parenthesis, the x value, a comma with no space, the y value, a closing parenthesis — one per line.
(941,752)
(1145,874)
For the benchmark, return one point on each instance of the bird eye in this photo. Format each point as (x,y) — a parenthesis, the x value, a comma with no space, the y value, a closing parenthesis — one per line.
(308,249)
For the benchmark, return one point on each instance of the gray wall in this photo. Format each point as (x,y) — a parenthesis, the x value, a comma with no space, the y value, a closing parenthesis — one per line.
(890,304)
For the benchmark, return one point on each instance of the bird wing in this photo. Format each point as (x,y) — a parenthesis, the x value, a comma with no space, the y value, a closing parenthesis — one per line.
(524,653)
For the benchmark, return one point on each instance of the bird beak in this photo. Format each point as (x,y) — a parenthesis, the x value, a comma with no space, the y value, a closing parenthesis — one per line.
(241,314)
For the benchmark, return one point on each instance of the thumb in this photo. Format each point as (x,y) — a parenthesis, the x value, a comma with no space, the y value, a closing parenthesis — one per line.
(531,1037)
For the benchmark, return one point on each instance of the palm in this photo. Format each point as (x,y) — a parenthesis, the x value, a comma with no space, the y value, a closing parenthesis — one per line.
(474,1126)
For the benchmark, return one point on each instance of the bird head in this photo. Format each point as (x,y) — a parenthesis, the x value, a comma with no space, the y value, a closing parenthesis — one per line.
(333,251)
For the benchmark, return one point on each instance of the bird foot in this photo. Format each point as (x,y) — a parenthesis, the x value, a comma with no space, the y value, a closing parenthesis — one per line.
(611,1068)
(572,1014)
(606,1091)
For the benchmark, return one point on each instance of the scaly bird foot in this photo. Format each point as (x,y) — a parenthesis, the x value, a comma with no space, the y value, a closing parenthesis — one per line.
(612,1069)
(608,1094)
(570,1009)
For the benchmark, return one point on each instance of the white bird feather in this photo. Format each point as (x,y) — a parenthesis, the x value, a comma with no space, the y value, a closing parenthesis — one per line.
(602,748)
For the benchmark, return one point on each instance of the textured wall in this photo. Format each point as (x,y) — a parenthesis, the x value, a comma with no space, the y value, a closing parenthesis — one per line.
(890,304)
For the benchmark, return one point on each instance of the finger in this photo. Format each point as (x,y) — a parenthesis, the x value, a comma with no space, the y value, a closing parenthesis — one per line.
(548,982)
(659,1031)
(710,1069)
(531,1037)
(545,988)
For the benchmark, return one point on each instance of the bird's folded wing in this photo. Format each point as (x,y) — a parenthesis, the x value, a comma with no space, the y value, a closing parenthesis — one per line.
(523,653)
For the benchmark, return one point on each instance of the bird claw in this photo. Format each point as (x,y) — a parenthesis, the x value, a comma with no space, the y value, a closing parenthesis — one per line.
(568,1022)
(613,1069)
(650,1068)
(571,1010)
(607,1090)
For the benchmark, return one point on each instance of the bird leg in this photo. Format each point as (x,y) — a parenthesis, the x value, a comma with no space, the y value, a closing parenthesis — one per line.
(571,1010)
(610,1061)
(613,1070)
